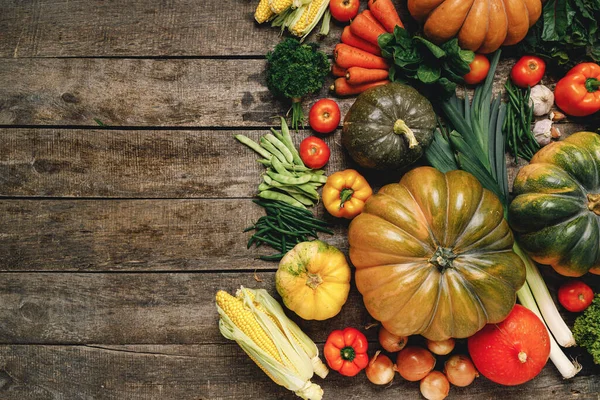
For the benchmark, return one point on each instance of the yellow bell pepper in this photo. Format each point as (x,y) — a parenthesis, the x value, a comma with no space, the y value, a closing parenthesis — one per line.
(345,193)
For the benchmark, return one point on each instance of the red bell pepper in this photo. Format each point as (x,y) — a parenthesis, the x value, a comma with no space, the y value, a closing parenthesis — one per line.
(346,351)
(578,93)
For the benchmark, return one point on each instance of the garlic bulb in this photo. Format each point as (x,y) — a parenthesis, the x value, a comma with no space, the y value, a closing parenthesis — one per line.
(542,131)
(541,99)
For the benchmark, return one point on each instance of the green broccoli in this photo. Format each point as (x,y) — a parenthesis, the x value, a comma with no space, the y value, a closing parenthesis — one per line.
(295,70)
(587,329)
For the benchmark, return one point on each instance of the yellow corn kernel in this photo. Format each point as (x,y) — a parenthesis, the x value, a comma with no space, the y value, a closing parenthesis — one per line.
(246,321)
(307,18)
(263,12)
(278,6)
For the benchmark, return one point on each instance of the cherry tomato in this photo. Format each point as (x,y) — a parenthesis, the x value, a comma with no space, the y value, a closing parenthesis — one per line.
(344,10)
(528,71)
(480,67)
(324,116)
(314,152)
(575,295)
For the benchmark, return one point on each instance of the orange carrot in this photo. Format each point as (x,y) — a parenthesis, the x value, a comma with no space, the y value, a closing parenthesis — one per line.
(385,12)
(366,29)
(372,18)
(358,75)
(342,88)
(347,56)
(352,40)
(338,71)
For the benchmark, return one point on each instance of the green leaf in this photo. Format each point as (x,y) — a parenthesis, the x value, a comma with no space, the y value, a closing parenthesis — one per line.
(436,51)
(384,40)
(556,20)
(428,73)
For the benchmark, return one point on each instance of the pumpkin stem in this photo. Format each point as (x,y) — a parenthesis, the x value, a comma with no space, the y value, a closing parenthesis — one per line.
(594,203)
(522,357)
(313,281)
(400,128)
(442,258)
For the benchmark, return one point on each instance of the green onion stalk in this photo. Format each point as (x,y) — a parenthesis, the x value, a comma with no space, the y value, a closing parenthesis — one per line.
(475,143)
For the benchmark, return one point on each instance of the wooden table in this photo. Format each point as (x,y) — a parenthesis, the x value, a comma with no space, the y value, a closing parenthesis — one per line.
(124,197)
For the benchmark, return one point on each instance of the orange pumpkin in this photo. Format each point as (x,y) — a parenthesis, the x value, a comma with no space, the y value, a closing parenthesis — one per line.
(480,25)
(433,256)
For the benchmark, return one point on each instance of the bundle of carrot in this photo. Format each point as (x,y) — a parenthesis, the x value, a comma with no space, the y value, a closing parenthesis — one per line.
(357,60)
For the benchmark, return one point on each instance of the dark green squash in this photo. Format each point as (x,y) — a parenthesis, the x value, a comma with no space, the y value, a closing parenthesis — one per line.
(556,211)
(388,127)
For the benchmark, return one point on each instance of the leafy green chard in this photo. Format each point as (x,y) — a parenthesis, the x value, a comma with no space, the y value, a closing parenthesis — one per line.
(474,143)
(295,70)
(567,33)
(423,64)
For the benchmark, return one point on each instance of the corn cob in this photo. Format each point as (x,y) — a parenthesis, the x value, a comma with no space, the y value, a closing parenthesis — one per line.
(311,14)
(257,323)
(278,6)
(263,12)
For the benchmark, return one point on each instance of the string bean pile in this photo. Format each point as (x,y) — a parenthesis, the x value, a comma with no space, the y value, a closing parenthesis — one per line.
(517,125)
(283,227)
(286,178)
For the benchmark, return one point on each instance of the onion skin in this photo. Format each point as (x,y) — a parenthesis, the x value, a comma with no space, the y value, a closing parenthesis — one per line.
(460,371)
(435,386)
(414,363)
(441,347)
(380,370)
(390,342)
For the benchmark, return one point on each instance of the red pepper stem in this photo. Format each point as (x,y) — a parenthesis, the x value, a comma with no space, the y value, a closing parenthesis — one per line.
(347,353)
(345,195)
(592,84)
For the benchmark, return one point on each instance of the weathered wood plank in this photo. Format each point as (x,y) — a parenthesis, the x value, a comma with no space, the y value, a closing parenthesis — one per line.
(136,164)
(148,164)
(80,28)
(222,372)
(159,235)
(153,308)
(149,93)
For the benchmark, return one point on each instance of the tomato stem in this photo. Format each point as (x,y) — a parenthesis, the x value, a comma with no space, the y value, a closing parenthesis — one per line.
(345,195)
(592,84)
(347,353)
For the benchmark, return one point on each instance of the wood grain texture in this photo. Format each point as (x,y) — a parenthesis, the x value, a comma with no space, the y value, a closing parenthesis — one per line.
(201,372)
(80,28)
(155,308)
(121,235)
(136,164)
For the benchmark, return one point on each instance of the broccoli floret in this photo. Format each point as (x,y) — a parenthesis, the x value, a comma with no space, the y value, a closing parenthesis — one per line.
(295,70)
(587,329)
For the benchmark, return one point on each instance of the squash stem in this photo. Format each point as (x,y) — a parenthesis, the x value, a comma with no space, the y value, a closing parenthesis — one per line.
(594,203)
(400,128)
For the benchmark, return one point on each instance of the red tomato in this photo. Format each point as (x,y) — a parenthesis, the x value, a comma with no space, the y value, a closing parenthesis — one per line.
(575,295)
(528,71)
(480,67)
(324,116)
(314,152)
(344,10)
(513,351)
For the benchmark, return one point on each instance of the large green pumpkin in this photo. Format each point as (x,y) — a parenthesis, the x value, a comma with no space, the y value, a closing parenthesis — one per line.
(556,211)
(433,256)
(388,127)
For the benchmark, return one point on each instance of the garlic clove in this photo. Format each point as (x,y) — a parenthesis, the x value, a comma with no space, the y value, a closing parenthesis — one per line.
(542,131)
(542,99)
(556,116)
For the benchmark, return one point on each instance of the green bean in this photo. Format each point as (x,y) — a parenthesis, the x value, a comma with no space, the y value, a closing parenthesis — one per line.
(302,198)
(280,146)
(288,180)
(309,191)
(272,257)
(272,149)
(287,139)
(279,168)
(318,178)
(277,134)
(253,145)
(272,195)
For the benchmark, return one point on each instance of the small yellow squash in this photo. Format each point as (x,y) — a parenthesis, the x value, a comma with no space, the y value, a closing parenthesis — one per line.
(313,280)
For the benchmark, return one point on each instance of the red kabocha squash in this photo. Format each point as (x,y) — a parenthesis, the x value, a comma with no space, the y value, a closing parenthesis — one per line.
(433,256)
(513,351)
(556,212)
(480,25)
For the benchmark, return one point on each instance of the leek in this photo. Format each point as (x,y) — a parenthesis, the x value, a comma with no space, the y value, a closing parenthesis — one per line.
(476,145)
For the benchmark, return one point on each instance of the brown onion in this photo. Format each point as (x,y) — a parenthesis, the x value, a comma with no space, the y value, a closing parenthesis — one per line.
(460,370)
(435,386)
(441,347)
(391,342)
(414,363)
(380,369)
